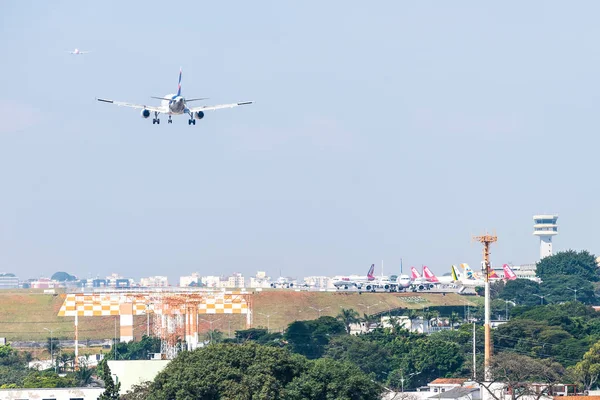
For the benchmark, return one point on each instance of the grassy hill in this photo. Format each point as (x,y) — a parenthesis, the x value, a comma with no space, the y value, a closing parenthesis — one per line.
(25,313)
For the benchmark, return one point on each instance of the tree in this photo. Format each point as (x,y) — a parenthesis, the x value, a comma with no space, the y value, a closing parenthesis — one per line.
(568,263)
(517,373)
(63,277)
(369,356)
(587,370)
(138,392)
(111,391)
(309,338)
(348,317)
(328,379)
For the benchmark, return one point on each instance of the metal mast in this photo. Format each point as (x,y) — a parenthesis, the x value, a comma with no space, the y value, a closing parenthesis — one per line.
(486,267)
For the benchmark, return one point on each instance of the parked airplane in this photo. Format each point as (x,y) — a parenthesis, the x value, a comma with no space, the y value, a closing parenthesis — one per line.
(509,275)
(419,282)
(77,52)
(283,283)
(465,281)
(430,276)
(175,104)
(358,281)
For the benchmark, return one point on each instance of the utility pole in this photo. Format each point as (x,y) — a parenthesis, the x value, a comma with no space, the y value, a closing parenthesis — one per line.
(474,356)
(51,350)
(487,240)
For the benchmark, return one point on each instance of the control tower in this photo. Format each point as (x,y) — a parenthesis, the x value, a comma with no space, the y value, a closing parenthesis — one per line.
(545,227)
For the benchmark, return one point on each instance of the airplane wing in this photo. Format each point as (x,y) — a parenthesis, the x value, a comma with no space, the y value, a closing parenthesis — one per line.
(218,107)
(136,106)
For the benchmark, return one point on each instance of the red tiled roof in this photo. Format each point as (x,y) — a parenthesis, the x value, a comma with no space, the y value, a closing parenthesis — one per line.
(449,381)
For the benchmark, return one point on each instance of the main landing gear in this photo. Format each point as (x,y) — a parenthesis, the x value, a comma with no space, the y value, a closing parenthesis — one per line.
(156,120)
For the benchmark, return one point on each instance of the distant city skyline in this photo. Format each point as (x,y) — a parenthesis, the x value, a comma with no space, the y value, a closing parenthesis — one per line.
(379,132)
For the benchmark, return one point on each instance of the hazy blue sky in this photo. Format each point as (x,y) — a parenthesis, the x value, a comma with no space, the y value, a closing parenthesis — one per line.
(381,130)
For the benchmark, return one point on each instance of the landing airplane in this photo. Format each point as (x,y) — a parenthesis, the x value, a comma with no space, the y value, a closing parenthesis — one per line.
(77,52)
(175,104)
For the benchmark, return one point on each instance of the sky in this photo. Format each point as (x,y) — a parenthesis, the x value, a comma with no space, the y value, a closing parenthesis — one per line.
(381,131)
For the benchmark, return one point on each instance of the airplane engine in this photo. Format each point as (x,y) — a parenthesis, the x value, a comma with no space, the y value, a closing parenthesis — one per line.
(368,287)
(145,113)
(199,114)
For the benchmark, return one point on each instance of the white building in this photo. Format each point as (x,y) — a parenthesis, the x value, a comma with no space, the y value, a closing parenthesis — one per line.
(190,280)
(544,226)
(236,281)
(319,282)
(85,393)
(154,281)
(211,281)
(8,281)
(260,280)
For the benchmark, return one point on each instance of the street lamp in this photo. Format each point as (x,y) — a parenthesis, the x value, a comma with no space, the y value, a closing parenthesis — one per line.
(210,323)
(268,320)
(319,310)
(408,377)
(368,307)
(51,349)
(506,304)
(575,290)
(540,296)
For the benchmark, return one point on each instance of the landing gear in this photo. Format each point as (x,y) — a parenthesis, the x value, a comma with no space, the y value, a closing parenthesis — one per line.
(170,121)
(156,120)
(191,122)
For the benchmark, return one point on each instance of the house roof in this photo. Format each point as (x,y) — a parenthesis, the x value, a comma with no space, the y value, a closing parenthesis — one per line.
(448,381)
(455,393)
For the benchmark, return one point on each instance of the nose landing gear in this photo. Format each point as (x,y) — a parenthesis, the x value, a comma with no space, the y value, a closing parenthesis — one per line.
(170,121)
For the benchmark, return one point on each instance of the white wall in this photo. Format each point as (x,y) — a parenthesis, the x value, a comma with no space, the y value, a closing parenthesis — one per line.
(134,372)
(55,393)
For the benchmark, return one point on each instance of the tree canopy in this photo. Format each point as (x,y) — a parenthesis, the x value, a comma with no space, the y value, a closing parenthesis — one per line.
(565,263)
(61,276)
(251,371)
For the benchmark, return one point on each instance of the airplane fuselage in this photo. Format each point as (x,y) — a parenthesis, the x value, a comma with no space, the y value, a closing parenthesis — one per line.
(175,104)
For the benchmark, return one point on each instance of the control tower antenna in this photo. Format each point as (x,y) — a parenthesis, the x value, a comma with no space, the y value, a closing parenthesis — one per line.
(486,268)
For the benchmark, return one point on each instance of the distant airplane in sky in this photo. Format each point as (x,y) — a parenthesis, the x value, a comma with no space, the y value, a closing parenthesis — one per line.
(175,104)
(77,52)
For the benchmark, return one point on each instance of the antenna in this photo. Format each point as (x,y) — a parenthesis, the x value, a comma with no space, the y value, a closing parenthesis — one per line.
(400,266)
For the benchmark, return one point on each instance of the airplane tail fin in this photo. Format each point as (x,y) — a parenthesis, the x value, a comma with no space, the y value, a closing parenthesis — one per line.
(430,276)
(509,273)
(468,270)
(493,275)
(414,274)
(371,272)
(454,273)
(179,83)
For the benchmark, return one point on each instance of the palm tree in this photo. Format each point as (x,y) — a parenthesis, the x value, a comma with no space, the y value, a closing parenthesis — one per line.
(412,315)
(452,319)
(348,316)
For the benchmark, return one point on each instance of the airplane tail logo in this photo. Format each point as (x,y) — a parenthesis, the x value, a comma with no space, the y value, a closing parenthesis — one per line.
(468,271)
(454,272)
(414,274)
(429,275)
(179,84)
(371,272)
(493,275)
(508,273)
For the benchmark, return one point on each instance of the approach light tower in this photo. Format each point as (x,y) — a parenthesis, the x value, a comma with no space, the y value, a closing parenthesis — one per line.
(545,227)
(486,268)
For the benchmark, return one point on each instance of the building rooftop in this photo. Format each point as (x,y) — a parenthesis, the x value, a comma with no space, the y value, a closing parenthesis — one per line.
(448,381)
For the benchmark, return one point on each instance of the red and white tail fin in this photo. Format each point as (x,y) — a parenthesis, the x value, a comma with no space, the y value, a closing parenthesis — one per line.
(430,276)
(509,273)
(493,275)
(414,274)
(370,275)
